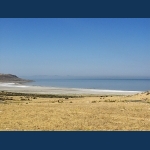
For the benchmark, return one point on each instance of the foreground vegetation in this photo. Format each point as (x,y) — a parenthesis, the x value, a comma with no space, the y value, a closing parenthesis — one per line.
(20,111)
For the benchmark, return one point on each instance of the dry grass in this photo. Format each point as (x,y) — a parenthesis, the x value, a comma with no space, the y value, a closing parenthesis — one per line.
(76,113)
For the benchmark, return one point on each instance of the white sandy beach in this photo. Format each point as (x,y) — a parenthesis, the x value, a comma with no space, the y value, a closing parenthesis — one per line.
(13,87)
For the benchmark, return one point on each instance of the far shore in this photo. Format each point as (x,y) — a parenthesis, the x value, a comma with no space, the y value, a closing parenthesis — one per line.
(15,87)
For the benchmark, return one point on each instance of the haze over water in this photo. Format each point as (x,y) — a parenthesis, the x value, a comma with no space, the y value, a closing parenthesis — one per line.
(104,84)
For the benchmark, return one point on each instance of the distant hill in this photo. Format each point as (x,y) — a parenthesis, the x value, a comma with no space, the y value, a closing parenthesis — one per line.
(12,78)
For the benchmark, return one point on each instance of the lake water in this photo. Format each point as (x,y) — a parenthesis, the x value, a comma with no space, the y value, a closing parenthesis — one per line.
(104,84)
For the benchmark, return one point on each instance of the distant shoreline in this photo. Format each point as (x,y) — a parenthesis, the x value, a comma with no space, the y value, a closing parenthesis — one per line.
(7,78)
(21,88)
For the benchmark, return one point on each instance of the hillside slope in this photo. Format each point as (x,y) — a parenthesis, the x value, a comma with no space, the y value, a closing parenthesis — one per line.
(12,78)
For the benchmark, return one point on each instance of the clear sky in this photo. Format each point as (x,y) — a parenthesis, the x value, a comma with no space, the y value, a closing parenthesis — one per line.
(77,46)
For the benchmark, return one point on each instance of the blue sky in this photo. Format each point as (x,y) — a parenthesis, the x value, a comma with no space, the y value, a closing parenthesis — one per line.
(75,46)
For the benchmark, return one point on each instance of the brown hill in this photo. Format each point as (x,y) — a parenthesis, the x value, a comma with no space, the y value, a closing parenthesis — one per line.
(12,78)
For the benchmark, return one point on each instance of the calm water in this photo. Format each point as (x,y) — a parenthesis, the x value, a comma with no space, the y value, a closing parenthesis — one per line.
(107,84)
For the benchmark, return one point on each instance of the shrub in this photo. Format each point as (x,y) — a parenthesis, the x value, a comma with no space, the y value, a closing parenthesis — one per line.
(60,101)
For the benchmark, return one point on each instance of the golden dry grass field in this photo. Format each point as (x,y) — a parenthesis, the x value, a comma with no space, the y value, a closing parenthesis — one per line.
(73,113)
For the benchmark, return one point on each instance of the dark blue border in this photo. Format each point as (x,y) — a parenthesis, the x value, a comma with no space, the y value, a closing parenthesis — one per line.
(74,9)
(74,140)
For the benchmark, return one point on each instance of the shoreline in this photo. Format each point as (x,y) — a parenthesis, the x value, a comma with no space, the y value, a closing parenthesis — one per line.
(21,88)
